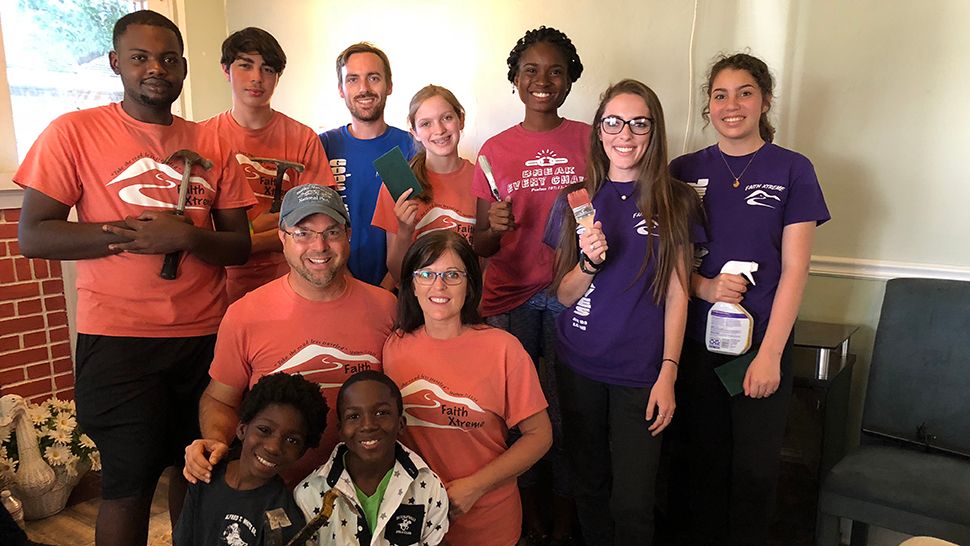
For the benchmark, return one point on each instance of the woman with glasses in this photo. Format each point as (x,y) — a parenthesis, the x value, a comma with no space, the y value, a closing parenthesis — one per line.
(531,162)
(625,282)
(464,385)
(762,203)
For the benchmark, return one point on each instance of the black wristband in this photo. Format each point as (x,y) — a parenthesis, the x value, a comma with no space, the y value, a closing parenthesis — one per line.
(584,258)
(582,267)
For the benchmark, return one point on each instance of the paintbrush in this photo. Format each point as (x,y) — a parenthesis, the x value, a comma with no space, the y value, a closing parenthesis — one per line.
(583,210)
(487,169)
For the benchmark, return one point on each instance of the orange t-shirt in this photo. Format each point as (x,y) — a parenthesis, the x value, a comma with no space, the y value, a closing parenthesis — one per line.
(461,396)
(452,205)
(283,138)
(273,329)
(110,166)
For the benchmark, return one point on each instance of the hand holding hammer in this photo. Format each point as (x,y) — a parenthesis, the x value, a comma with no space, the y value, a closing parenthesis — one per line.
(190,158)
(281,168)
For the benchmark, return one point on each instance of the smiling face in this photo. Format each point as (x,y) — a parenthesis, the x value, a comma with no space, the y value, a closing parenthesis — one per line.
(441,303)
(625,150)
(314,265)
(437,127)
(273,440)
(149,60)
(252,80)
(736,103)
(370,423)
(364,86)
(542,80)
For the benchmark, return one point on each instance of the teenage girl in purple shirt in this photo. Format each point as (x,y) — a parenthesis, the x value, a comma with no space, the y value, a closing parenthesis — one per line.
(762,204)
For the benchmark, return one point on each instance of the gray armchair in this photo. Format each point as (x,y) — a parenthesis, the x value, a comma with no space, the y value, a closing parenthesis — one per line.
(911,472)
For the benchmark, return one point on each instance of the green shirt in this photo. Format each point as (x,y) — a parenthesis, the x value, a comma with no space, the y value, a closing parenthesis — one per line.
(372,504)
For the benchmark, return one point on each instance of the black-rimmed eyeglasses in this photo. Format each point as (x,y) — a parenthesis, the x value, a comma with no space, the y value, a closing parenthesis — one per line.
(613,125)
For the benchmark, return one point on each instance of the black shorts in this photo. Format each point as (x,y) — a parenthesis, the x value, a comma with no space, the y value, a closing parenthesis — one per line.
(138,399)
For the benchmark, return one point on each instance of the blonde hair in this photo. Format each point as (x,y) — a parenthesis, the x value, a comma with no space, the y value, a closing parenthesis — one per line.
(419,162)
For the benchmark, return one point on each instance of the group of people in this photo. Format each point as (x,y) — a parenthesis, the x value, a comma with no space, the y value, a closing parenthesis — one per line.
(458,336)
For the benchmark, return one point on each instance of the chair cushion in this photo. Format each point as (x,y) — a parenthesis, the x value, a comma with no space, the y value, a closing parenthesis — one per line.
(906,480)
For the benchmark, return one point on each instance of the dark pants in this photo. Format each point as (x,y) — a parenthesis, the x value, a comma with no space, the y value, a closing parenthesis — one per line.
(725,453)
(613,459)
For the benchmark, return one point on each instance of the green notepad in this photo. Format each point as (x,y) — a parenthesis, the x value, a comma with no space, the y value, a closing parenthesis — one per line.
(396,174)
(732,373)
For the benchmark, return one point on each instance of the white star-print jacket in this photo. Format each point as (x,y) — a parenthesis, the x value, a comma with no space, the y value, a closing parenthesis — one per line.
(414,509)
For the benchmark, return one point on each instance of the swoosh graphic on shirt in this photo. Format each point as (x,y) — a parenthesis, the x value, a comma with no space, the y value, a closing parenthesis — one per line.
(244,160)
(445,215)
(324,359)
(430,396)
(167,176)
(758,196)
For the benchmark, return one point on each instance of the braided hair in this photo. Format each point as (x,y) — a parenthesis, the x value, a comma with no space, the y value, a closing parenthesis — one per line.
(554,37)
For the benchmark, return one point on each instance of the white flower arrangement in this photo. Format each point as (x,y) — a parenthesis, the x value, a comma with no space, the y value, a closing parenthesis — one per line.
(61,441)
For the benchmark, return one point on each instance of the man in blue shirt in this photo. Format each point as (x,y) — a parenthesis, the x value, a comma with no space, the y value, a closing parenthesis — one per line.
(364,82)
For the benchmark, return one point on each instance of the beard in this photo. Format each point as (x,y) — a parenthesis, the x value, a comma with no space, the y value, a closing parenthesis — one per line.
(373,113)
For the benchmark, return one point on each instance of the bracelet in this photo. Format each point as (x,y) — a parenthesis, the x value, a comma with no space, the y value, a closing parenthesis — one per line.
(593,265)
(582,267)
(672,361)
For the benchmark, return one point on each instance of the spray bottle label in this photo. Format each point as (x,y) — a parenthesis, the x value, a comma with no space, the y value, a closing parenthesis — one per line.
(729,329)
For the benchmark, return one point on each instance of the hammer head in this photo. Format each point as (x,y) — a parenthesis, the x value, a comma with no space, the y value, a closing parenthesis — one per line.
(281,165)
(190,158)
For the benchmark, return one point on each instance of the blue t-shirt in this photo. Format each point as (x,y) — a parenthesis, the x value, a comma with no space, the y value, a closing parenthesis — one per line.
(614,333)
(746,223)
(352,163)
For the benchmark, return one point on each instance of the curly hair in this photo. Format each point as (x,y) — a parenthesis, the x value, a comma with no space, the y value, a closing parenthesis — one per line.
(290,390)
(370,375)
(554,37)
(762,76)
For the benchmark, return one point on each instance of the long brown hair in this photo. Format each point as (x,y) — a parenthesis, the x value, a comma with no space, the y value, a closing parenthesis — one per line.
(658,196)
(419,161)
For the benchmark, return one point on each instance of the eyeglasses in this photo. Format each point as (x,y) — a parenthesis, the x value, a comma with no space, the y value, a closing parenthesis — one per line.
(613,125)
(307,236)
(451,277)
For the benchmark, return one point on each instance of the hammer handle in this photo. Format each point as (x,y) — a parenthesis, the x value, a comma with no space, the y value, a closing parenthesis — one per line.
(170,267)
(277,192)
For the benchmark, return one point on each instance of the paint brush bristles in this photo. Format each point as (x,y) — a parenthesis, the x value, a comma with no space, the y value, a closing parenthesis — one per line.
(583,209)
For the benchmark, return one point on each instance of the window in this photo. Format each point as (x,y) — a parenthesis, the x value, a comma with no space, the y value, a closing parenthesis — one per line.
(56,53)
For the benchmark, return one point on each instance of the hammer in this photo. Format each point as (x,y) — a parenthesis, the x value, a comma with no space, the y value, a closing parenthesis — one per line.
(171,265)
(281,168)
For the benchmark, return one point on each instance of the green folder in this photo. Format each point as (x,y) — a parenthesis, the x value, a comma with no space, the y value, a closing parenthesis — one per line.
(396,174)
(732,373)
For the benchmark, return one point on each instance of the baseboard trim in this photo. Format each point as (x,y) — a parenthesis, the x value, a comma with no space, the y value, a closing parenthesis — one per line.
(854,268)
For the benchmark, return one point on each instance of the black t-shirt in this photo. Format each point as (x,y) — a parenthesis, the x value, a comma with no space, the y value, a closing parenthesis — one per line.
(216,514)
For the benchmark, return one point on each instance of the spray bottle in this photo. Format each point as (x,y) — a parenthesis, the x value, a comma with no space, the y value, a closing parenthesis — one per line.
(729,326)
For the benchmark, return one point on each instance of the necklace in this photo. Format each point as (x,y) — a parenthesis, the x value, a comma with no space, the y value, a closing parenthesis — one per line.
(612,184)
(737,178)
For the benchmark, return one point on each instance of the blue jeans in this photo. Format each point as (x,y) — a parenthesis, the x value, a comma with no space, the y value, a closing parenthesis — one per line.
(534,324)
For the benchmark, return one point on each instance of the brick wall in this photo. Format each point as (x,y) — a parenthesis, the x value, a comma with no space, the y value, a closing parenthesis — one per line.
(35,352)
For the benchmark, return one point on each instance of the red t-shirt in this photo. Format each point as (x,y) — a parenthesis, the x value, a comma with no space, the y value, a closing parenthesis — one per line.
(531,168)
(110,166)
(282,138)
(273,329)
(452,205)
(461,396)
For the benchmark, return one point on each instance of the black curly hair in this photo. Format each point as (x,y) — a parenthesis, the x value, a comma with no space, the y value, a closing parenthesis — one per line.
(370,375)
(574,67)
(291,390)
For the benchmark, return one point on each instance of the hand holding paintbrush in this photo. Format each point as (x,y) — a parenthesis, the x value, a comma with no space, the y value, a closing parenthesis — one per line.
(592,241)
(500,217)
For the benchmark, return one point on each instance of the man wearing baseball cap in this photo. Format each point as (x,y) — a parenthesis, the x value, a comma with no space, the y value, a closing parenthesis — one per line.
(317,321)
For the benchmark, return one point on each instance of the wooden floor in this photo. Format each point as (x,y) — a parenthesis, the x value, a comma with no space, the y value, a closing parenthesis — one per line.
(75,525)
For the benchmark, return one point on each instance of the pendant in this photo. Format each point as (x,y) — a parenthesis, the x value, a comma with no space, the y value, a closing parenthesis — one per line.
(622,198)
(736,183)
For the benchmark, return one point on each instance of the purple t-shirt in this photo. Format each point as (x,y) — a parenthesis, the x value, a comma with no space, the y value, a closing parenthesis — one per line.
(746,223)
(615,332)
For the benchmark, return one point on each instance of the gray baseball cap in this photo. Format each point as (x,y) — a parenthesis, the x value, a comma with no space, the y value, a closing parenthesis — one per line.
(309,199)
